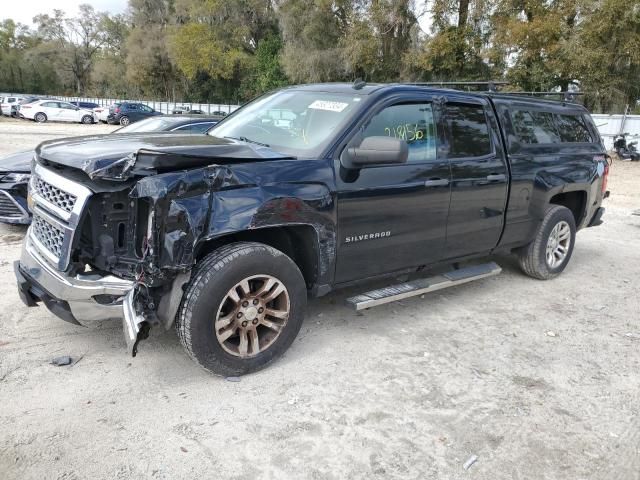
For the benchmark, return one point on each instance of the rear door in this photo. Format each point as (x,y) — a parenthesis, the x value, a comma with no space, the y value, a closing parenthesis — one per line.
(480,176)
(393,217)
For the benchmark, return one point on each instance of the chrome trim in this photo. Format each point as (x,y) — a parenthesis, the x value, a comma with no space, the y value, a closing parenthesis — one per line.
(131,323)
(67,221)
(24,218)
(423,285)
(78,291)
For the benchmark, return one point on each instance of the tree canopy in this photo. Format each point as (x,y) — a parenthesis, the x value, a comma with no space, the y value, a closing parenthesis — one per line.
(233,50)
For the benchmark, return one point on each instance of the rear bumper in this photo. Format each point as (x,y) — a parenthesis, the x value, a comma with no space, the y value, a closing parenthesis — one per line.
(79,299)
(597,218)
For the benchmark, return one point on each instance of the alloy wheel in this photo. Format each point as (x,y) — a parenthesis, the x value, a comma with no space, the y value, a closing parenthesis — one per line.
(558,244)
(252,315)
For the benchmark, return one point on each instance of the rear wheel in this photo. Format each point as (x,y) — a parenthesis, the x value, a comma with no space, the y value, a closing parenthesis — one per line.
(242,308)
(87,119)
(40,117)
(549,253)
(124,121)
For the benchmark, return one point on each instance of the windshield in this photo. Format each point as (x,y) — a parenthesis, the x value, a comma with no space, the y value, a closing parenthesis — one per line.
(155,124)
(294,122)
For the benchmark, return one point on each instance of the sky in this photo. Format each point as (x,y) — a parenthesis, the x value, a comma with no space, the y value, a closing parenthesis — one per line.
(24,10)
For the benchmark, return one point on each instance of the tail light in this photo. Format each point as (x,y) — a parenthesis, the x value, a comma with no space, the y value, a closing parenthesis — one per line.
(605,177)
(23,106)
(117,110)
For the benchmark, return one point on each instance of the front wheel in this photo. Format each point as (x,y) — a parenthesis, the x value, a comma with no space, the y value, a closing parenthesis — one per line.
(550,251)
(242,308)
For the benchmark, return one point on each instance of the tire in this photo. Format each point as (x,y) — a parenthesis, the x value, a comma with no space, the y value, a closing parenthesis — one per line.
(124,121)
(206,300)
(87,120)
(40,117)
(534,259)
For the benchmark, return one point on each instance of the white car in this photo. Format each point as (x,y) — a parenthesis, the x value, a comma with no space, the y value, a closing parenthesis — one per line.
(102,113)
(7,102)
(56,111)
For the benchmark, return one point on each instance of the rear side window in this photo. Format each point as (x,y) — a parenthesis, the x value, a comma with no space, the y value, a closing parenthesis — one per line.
(532,126)
(469,131)
(573,129)
(414,123)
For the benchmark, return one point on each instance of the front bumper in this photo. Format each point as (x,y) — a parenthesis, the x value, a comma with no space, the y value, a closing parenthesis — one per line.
(13,208)
(79,299)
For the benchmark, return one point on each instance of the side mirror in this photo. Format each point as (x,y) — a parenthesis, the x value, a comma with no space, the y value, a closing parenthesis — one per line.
(374,151)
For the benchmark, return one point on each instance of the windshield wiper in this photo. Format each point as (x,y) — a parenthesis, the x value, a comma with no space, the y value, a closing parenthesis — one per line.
(248,140)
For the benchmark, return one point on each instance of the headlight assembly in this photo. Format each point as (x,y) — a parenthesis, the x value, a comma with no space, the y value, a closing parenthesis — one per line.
(16,177)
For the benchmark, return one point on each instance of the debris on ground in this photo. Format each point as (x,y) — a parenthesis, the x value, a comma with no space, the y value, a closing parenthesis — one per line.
(232,379)
(470,461)
(551,333)
(62,361)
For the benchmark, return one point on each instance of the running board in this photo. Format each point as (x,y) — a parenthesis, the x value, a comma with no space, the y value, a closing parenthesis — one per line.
(423,285)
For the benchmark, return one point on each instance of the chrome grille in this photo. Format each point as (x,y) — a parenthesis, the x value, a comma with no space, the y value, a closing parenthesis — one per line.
(48,234)
(57,208)
(54,195)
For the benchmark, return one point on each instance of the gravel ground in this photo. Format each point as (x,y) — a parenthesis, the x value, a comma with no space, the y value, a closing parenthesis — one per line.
(539,380)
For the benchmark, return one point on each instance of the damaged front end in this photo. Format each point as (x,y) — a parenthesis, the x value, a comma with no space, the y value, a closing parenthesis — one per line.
(127,227)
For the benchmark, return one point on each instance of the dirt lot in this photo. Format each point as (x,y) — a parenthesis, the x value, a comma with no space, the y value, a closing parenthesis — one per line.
(540,380)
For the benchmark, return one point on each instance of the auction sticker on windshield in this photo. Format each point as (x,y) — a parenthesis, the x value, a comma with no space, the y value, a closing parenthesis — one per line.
(328,105)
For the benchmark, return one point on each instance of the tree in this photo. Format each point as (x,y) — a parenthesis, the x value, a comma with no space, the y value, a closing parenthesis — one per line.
(76,41)
(456,50)
(149,68)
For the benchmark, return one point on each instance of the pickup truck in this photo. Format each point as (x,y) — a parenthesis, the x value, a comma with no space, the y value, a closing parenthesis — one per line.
(298,193)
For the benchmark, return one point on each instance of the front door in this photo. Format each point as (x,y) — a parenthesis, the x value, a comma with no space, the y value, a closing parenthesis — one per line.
(394,217)
(479,177)
(68,112)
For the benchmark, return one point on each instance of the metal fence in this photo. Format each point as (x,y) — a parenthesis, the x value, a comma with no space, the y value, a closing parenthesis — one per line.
(159,106)
(611,125)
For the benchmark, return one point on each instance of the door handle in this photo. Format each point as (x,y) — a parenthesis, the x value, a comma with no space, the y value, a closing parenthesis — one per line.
(496,177)
(437,182)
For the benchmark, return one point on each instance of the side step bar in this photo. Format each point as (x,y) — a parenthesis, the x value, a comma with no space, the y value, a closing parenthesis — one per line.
(423,285)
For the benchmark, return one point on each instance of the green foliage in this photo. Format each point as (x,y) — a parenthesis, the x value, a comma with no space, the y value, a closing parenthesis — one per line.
(232,50)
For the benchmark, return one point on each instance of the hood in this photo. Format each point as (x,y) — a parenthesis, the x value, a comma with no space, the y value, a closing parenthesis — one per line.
(120,156)
(18,162)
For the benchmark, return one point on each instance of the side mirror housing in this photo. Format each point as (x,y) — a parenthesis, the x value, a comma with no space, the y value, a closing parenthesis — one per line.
(374,151)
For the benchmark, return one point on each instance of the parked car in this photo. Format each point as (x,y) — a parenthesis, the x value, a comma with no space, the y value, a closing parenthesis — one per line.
(102,113)
(14,178)
(15,168)
(171,123)
(184,110)
(7,102)
(129,112)
(219,113)
(56,111)
(15,108)
(85,105)
(228,233)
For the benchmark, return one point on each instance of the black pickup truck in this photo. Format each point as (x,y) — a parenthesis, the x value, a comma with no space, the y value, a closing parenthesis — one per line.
(300,192)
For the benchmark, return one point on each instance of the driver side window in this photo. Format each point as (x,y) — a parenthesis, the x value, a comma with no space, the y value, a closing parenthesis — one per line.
(414,123)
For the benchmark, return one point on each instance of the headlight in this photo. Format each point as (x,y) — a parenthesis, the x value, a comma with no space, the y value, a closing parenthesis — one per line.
(16,177)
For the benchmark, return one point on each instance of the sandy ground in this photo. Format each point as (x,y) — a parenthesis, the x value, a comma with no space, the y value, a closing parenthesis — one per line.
(539,380)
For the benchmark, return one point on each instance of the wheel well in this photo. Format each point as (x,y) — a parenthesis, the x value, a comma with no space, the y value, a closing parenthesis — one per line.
(298,242)
(574,201)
